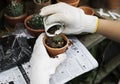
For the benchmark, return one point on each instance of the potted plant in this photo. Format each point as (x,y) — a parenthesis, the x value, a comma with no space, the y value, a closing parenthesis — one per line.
(41,3)
(106,4)
(113,4)
(34,24)
(10,1)
(14,13)
(56,45)
(71,2)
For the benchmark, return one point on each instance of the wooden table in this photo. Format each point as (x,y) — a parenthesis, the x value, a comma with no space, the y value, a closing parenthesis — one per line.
(91,40)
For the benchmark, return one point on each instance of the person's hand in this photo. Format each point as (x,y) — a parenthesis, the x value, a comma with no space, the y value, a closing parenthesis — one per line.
(74,19)
(42,66)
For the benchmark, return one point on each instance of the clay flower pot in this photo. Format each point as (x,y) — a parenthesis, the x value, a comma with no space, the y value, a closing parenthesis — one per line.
(34,32)
(87,10)
(12,21)
(38,5)
(71,2)
(9,1)
(55,51)
(113,4)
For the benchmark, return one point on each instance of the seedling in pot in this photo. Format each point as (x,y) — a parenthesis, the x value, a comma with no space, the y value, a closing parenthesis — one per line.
(56,45)
(40,4)
(36,22)
(15,9)
(42,1)
(56,42)
(15,13)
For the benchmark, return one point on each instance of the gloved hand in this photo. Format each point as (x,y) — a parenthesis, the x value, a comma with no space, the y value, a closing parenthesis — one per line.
(42,66)
(74,18)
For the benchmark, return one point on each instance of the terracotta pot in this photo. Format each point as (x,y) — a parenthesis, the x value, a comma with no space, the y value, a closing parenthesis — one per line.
(32,31)
(55,51)
(9,1)
(38,5)
(87,10)
(113,4)
(12,21)
(71,2)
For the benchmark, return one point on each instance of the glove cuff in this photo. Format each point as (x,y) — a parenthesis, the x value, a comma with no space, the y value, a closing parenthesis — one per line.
(90,24)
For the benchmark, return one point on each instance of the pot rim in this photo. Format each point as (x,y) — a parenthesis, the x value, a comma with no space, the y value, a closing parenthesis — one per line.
(66,45)
(88,8)
(17,17)
(76,1)
(35,1)
(29,28)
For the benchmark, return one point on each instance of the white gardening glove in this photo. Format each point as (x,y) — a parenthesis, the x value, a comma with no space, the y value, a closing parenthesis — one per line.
(74,18)
(42,66)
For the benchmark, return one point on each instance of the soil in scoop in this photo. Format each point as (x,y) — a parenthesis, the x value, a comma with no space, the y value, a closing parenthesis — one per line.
(55,44)
(53,29)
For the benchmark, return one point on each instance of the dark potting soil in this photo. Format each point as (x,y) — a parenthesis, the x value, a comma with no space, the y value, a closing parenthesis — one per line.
(55,44)
(53,29)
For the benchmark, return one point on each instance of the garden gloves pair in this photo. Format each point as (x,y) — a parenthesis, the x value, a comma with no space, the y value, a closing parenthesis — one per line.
(74,19)
(42,65)
(75,22)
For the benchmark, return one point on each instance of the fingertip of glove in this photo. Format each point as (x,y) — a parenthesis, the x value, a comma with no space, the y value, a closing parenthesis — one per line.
(41,35)
(42,12)
(48,10)
(51,9)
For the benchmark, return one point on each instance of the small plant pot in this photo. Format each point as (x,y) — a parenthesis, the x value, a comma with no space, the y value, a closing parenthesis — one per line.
(10,1)
(55,51)
(70,2)
(34,32)
(12,21)
(87,10)
(38,5)
(113,4)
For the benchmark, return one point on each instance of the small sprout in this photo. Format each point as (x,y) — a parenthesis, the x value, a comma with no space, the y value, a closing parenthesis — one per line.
(36,22)
(56,41)
(15,9)
(57,38)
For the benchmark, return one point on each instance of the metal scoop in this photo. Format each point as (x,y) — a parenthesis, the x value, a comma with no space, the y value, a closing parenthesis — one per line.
(57,27)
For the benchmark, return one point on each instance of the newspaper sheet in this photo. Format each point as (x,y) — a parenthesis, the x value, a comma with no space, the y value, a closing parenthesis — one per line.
(78,61)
